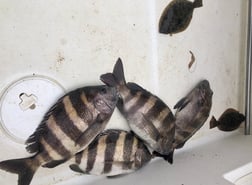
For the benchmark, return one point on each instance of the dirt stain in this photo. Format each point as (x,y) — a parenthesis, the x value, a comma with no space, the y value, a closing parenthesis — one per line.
(60,58)
(192,63)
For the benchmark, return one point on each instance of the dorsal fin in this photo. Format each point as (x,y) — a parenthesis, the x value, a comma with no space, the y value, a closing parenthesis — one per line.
(33,143)
(134,86)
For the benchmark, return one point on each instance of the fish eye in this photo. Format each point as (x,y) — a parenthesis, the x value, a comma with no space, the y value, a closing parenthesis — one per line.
(103,90)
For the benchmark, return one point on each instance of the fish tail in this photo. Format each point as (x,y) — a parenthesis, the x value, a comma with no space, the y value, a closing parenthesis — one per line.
(213,122)
(118,72)
(25,168)
(117,77)
(168,157)
(197,3)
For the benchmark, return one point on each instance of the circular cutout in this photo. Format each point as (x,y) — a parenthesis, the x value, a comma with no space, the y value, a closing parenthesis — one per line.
(24,103)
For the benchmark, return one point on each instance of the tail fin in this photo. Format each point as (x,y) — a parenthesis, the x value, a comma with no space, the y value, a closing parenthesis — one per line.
(213,122)
(118,72)
(115,78)
(168,157)
(197,3)
(25,168)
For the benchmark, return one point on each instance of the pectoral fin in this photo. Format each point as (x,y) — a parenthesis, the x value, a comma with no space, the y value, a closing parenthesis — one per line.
(92,131)
(181,103)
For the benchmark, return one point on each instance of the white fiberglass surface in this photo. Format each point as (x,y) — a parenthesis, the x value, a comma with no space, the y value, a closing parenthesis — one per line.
(74,42)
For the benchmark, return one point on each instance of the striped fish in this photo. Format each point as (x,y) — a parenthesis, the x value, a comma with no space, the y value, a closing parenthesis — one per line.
(68,127)
(192,112)
(113,152)
(148,116)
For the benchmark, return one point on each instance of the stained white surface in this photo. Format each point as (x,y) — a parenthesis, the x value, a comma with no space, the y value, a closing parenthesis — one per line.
(73,42)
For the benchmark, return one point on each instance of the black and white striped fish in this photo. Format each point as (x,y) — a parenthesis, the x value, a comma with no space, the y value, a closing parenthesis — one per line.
(68,127)
(192,112)
(148,116)
(113,152)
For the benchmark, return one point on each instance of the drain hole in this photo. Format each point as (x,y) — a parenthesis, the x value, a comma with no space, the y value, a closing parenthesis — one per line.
(27,101)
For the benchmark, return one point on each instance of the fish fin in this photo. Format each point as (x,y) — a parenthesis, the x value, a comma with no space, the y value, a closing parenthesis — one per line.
(149,128)
(134,86)
(54,163)
(115,78)
(91,132)
(76,168)
(166,157)
(180,145)
(109,79)
(213,122)
(118,72)
(181,103)
(120,105)
(115,176)
(22,167)
(33,142)
(197,3)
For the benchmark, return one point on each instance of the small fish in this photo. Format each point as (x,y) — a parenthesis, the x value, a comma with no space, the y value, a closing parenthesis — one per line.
(177,16)
(147,115)
(68,127)
(192,112)
(230,120)
(112,153)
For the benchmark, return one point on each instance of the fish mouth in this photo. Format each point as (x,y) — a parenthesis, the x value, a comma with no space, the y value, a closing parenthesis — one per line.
(204,88)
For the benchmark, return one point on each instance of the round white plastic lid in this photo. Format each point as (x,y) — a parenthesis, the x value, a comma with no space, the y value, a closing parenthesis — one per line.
(24,103)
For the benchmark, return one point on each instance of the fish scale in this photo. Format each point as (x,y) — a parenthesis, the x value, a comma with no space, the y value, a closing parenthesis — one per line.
(114,152)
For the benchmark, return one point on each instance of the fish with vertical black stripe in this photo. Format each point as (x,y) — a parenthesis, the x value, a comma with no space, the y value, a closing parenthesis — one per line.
(192,112)
(147,115)
(67,128)
(113,152)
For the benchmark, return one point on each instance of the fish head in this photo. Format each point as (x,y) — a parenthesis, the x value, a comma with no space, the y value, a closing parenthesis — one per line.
(203,94)
(241,118)
(105,98)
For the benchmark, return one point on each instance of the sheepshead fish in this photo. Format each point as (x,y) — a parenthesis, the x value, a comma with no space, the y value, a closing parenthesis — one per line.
(177,16)
(147,115)
(192,112)
(230,120)
(68,127)
(114,152)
